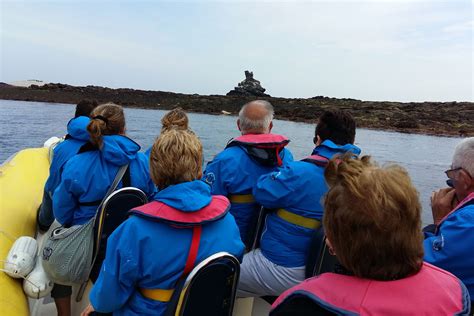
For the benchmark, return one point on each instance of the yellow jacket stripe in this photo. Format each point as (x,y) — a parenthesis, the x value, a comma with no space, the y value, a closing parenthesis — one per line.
(299,220)
(241,198)
(157,294)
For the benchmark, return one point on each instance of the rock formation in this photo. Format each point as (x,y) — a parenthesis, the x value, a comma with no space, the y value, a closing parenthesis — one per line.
(249,87)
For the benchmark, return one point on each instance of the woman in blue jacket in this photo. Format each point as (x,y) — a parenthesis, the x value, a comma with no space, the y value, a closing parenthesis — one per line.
(139,274)
(88,175)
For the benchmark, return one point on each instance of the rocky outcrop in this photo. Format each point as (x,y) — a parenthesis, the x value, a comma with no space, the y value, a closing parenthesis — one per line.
(248,87)
(435,118)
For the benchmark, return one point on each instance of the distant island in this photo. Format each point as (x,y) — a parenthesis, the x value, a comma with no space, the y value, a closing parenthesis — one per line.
(434,118)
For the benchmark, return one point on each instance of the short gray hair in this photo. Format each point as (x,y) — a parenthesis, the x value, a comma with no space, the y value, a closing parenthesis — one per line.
(464,155)
(259,126)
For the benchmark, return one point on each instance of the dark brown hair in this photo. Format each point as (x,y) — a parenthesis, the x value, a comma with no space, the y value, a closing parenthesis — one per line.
(106,119)
(337,126)
(372,219)
(85,107)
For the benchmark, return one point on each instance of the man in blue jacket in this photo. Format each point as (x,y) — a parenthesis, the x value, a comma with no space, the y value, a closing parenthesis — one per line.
(451,245)
(234,172)
(76,137)
(294,194)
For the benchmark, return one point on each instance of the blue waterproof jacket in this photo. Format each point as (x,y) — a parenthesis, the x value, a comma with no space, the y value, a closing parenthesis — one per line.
(77,136)
(298,188)
(234,172)
(452,246)
(87,177)
(142,253)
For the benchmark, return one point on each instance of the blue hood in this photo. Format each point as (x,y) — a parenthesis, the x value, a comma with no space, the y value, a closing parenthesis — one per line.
(77,128)
(119,150)
(328,149)
(177,195)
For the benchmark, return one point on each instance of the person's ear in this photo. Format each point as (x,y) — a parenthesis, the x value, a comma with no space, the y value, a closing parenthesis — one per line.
(466,180)
(238,124)
(317,140)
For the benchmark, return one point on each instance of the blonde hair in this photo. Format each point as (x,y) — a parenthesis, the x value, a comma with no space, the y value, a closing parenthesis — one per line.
(176,156)
(106,119)
(175,118)
(372,219)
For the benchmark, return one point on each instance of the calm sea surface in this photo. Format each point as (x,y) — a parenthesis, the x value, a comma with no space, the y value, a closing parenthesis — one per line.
(29,124)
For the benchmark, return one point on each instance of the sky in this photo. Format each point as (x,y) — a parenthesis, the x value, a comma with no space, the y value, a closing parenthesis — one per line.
(368,50)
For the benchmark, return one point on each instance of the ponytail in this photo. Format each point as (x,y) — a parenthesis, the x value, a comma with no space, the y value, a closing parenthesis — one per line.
(106,119)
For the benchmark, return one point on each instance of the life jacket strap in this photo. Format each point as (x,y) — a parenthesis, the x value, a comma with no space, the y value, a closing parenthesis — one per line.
(161,295)
(164,295)
(299,220)
(241,198)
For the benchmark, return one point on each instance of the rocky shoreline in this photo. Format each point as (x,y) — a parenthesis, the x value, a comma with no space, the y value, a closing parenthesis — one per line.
(433,118)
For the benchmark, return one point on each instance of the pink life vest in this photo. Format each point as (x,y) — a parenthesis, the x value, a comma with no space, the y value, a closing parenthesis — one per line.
(265,148)
(317,160)
(432,291)
(161,212)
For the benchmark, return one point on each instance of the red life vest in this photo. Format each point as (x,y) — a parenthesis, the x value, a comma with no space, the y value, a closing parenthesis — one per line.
(264,148)
(317,160)
(432,291)
(161,212)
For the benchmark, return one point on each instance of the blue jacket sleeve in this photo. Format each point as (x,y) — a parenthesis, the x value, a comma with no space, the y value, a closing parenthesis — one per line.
(116,282)
(287,157)
(65,201)
(448,249)
(218,174)
(276,189)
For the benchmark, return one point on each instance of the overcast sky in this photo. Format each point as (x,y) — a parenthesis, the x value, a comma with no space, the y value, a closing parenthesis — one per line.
(370,50)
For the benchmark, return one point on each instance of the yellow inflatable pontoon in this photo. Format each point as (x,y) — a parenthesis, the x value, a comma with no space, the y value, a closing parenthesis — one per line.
(22,180)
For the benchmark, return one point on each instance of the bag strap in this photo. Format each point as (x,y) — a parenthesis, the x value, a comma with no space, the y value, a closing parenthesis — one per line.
(114,185)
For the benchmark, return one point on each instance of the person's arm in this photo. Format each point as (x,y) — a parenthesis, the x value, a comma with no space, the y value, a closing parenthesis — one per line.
(277,189)
(65,201)
(119,272)
(448,249)
(218,173)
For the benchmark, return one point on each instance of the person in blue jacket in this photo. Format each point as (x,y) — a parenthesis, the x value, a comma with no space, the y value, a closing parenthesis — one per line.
(76,137)
(294,193)
(88,175)
(234,172)
(148,253)
(451,245)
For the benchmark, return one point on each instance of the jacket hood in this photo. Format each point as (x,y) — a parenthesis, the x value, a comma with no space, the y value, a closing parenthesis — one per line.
(186,196)
(328,149)
(77,128)
(119,149)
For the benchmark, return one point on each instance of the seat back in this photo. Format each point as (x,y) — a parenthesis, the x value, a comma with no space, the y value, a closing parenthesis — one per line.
(255,229)
(300,305)
(209,289)
(114,212)
(319,260)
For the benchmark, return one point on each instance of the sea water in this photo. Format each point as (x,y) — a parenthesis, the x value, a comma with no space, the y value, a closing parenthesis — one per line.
(29,124)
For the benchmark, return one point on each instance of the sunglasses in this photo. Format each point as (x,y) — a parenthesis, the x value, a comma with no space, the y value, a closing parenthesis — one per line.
(450,175)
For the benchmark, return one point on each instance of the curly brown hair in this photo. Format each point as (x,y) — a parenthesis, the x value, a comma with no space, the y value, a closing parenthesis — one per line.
(372,219)
(176,156)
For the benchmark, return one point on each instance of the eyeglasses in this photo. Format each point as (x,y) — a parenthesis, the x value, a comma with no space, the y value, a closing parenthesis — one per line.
(450,172)
(450,175)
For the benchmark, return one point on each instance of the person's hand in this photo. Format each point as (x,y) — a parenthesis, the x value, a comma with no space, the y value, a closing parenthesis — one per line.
(89,309)
(442,202)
